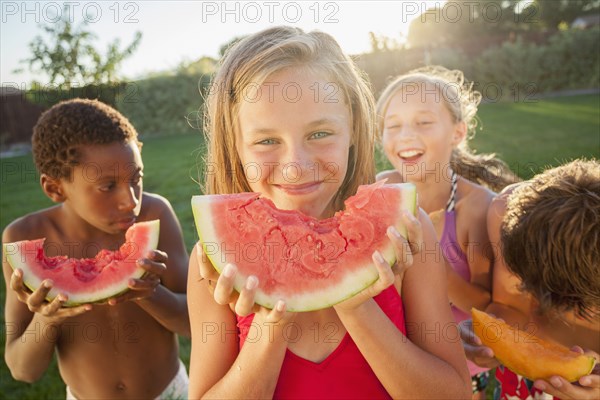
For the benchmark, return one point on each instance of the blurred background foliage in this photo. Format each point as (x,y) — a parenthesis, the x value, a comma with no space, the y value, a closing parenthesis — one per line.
(511,49)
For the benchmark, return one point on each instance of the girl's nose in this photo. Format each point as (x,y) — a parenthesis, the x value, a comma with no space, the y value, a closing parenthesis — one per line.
(299,162)
(406,132)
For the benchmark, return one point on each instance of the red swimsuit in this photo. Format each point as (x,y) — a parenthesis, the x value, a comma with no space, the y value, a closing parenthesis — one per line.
(343,374)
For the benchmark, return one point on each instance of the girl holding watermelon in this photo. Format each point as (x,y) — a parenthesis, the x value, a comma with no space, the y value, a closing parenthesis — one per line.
(382,345)
(425,118)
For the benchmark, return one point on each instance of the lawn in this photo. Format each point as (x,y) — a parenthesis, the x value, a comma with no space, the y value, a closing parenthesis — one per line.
(528,136)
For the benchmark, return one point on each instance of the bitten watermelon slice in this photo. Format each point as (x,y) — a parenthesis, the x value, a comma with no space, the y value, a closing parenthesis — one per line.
(309,263)
(85,280)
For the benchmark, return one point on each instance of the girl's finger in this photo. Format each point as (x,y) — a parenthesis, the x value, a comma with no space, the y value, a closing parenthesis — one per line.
(386,276)
(245,302)
(415,231)
(224,285)
(401,247)
(278,312)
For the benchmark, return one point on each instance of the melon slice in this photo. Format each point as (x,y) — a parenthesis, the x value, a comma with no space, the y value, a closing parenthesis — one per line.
(310,264)
(527,355)
(85,280)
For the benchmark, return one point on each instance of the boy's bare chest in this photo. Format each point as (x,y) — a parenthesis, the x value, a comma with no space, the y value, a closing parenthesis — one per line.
(57,244)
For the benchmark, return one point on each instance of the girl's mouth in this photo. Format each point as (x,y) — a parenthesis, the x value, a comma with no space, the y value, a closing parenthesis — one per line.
(300,189)
(410,155)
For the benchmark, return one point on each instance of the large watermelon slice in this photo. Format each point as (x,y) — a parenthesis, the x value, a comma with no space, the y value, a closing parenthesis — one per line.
(309,263)
(85,280)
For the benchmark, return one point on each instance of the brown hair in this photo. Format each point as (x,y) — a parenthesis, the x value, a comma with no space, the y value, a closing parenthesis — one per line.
(551,237)
(461,101)
(250,62)
(65,127)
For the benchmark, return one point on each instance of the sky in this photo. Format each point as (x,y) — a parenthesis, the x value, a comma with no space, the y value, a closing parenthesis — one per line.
(183,31)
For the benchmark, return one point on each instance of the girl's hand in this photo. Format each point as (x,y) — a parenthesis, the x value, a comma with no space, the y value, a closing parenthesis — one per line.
(474,349)
(404,250)
(145,287)
(588,387)
(243,303)
(53,311)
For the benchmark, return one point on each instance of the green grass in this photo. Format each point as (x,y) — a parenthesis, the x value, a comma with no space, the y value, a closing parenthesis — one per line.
(528,136)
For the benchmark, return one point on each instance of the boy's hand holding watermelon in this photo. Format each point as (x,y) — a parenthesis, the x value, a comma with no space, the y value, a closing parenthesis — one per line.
(53,311)
(145,287)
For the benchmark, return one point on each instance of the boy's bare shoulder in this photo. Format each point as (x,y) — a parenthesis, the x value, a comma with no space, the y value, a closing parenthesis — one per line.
(391,175)
(35,225)
(153,206)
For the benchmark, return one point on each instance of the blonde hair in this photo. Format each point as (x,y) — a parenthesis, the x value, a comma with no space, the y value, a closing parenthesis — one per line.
(461,101)
(250,62)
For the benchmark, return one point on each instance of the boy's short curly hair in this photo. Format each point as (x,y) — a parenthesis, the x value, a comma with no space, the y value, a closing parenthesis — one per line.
(551,238)
(65,127)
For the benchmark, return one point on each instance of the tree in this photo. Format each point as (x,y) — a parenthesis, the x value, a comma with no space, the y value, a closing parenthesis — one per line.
(459,21)
(554,12)
(69,56)
(224,47)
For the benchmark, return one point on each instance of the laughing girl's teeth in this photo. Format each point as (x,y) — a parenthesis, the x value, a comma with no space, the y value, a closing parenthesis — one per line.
(410,153)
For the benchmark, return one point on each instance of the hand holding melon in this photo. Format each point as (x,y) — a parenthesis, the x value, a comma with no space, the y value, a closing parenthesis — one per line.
(144,287)
(61,281)
(52,310)
(527,355)
(474,349)
(587,387)
(308,263)
(404,250)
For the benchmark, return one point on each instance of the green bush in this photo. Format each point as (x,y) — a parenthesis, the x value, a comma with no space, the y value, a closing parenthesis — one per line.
(569,60)
(48,95)
(164,105)
(572,60)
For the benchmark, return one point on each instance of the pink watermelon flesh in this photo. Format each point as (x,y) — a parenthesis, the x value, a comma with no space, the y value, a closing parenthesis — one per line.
(309,263)
(85,280)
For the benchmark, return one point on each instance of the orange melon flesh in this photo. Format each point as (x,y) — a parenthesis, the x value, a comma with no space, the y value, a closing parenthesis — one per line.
(528,355)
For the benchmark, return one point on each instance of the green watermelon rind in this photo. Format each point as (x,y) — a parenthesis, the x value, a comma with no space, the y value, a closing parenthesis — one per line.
(32,282)
(313,300)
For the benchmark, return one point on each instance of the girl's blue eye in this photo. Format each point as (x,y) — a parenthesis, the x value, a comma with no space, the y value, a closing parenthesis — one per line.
(318,135)
(267,141)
